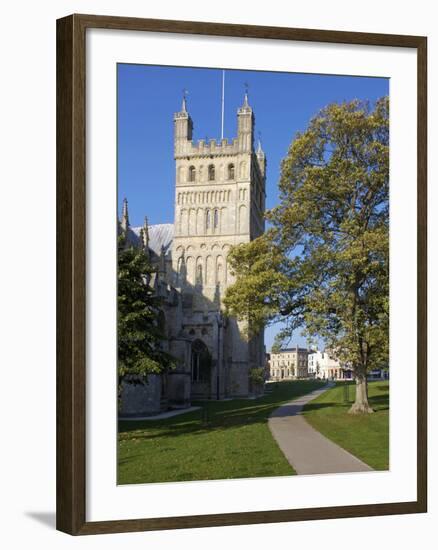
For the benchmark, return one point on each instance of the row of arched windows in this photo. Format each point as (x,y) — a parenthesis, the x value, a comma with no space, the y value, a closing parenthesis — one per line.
(201,221)
(204,197)
(206,221)
(204,271)
(211,172)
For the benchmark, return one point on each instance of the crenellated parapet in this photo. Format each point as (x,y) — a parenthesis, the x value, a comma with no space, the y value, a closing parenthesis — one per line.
(206,148)
(186,148)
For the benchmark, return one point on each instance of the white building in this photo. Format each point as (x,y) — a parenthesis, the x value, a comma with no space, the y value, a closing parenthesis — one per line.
(321,364)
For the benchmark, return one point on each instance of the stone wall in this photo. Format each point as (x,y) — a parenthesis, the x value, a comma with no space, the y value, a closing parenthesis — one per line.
(140,398)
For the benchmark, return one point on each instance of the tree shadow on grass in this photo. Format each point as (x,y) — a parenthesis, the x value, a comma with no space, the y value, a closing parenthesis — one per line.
(218,415)
(380,398)
(195,429)
(125,426)
(383,388)
(318,406)
(127,459)
(380,401)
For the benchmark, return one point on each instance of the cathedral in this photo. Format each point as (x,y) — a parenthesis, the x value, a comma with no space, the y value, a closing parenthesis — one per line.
(219,202)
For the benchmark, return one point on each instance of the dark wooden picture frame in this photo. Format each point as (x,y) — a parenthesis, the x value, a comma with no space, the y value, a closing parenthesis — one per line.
(71,274)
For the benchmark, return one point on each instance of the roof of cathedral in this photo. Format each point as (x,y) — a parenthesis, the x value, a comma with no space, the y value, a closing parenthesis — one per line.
(160,235)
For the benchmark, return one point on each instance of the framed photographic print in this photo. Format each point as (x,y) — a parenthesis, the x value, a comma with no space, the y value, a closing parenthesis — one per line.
(241,274)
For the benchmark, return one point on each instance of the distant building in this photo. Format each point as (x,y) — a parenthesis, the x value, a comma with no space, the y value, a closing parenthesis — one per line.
(322,364)
(288,364)
(267,366)
(378,374)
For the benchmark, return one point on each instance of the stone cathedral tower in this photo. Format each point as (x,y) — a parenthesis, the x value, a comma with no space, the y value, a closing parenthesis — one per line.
(219,202)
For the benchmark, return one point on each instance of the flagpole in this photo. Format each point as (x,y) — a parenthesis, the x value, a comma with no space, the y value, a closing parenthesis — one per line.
(223,103)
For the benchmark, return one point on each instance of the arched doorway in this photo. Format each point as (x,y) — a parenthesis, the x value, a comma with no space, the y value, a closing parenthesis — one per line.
(200,369)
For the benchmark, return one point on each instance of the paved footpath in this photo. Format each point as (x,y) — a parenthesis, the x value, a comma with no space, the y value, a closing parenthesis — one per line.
(308,451)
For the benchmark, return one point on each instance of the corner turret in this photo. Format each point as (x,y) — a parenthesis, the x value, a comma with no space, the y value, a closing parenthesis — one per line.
(245,126)
(183,128)
(125,216)
(261,159)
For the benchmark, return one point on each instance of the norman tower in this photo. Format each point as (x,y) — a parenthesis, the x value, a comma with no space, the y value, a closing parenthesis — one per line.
(219,202)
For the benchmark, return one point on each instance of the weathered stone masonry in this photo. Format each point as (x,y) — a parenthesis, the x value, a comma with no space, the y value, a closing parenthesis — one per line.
(219,202)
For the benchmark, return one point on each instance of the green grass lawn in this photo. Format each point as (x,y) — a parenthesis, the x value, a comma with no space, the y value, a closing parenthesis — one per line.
(367,437)
(229,439)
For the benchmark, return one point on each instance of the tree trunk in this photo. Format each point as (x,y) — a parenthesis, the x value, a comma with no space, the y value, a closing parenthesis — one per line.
(361,405)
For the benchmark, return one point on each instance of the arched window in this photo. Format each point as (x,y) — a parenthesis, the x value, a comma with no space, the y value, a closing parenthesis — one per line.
(207,219)
(216,219)
(220,279)
(231,171)
(199,275)
(181,273)
(192,173)
(201,362)
(192,221)
(209,271)
(190,269)
(211,172)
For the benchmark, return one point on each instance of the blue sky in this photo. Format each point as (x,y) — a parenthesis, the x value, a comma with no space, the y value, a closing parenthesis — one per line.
(148,96)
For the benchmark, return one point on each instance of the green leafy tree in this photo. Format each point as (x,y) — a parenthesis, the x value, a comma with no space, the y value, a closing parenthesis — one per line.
(276,346)
(257,377)
(139,332)
(323,266)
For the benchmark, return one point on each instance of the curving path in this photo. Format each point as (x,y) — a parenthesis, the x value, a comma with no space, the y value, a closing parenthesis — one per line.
(307,450)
